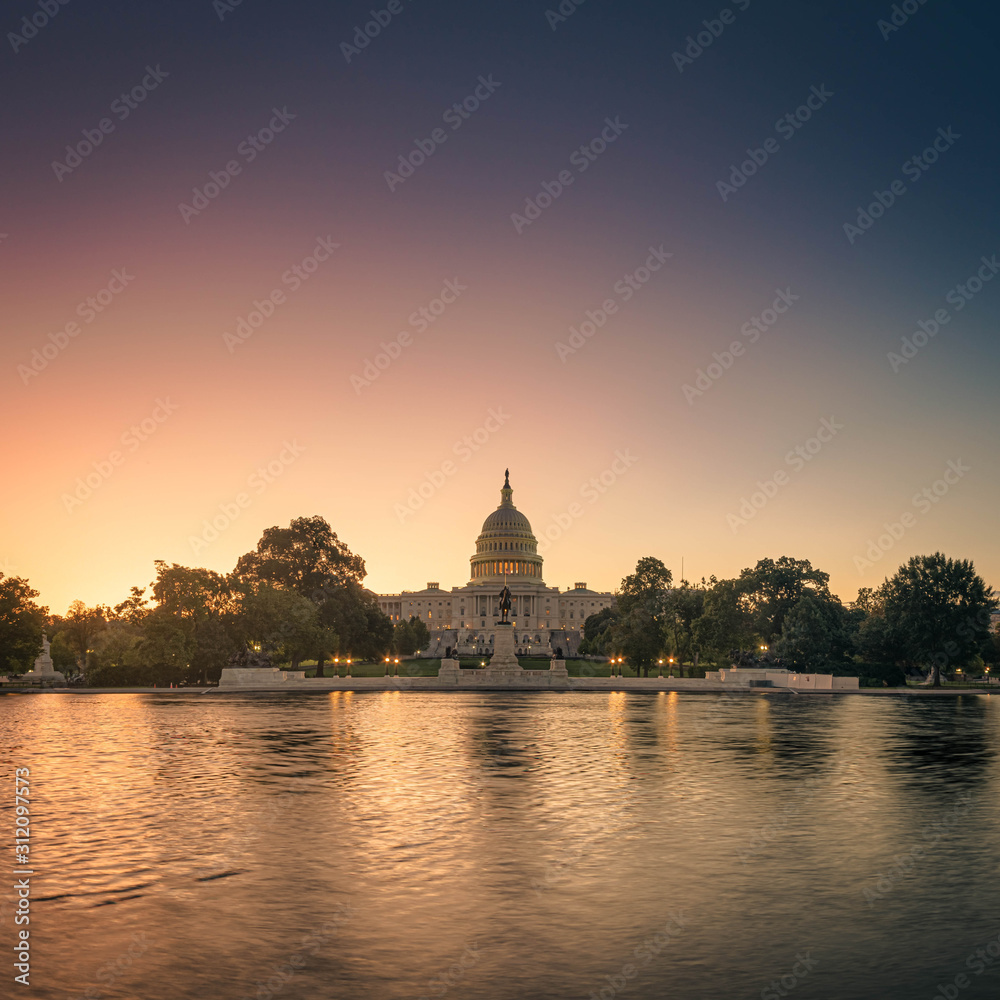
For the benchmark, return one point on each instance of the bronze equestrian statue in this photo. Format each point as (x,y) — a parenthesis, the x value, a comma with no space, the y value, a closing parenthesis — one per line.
(504,604)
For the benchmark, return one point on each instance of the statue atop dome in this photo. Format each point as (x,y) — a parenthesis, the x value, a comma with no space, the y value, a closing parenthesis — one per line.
(505,491)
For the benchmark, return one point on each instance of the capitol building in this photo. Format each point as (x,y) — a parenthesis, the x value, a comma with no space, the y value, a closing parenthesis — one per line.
(544,619)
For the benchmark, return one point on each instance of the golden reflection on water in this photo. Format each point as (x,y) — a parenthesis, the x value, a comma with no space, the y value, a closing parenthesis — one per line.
(762,718)
(617,740)
(672,733)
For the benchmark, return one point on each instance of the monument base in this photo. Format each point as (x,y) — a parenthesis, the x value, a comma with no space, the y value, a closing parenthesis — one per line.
(56,677)
(450,671)
(557,668)
(503,662)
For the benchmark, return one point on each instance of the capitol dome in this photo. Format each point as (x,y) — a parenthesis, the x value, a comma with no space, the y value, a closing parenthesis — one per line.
(507,517)
(506,546)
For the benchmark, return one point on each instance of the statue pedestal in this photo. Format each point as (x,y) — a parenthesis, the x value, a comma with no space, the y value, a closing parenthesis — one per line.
(503,662)
(450,671)
(557,668)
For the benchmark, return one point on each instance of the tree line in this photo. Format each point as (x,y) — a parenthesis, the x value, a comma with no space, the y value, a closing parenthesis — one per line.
(298,596)
(931,617)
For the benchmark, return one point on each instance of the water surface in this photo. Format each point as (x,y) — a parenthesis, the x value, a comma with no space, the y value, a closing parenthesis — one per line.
(540,845)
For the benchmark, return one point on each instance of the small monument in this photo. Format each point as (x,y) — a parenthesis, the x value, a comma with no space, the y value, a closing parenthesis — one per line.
(43,670)
(250,658)
(253,668)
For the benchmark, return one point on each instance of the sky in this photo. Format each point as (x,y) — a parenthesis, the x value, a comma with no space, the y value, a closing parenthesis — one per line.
(715,283)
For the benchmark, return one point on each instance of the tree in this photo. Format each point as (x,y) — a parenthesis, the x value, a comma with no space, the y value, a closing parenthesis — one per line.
(598,630)
(938,610)
(309,559)
(990,651)
(134,608)
(353,613)
(816,634)
(870,601)
(283,624)
(410,637)
(877,641)
(79,627)
(651,580)
(115,660)
(403,639)
(114,651)
(597,623)
(639,636)
(190,633)
(640,629)
(726,622)
(773,587)
(306,557)
(420,633)
(22,623)
(63,657)
(685,605)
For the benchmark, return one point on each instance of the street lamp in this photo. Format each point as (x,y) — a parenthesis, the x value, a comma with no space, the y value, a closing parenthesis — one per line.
(396,665)
(660,664)
(348,674)
(336,666)
(388,669)
(670,669)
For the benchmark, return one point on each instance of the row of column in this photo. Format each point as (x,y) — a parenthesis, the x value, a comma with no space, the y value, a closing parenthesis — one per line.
(501,567)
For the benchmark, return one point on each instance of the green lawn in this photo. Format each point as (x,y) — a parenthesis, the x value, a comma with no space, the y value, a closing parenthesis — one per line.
(429,668)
